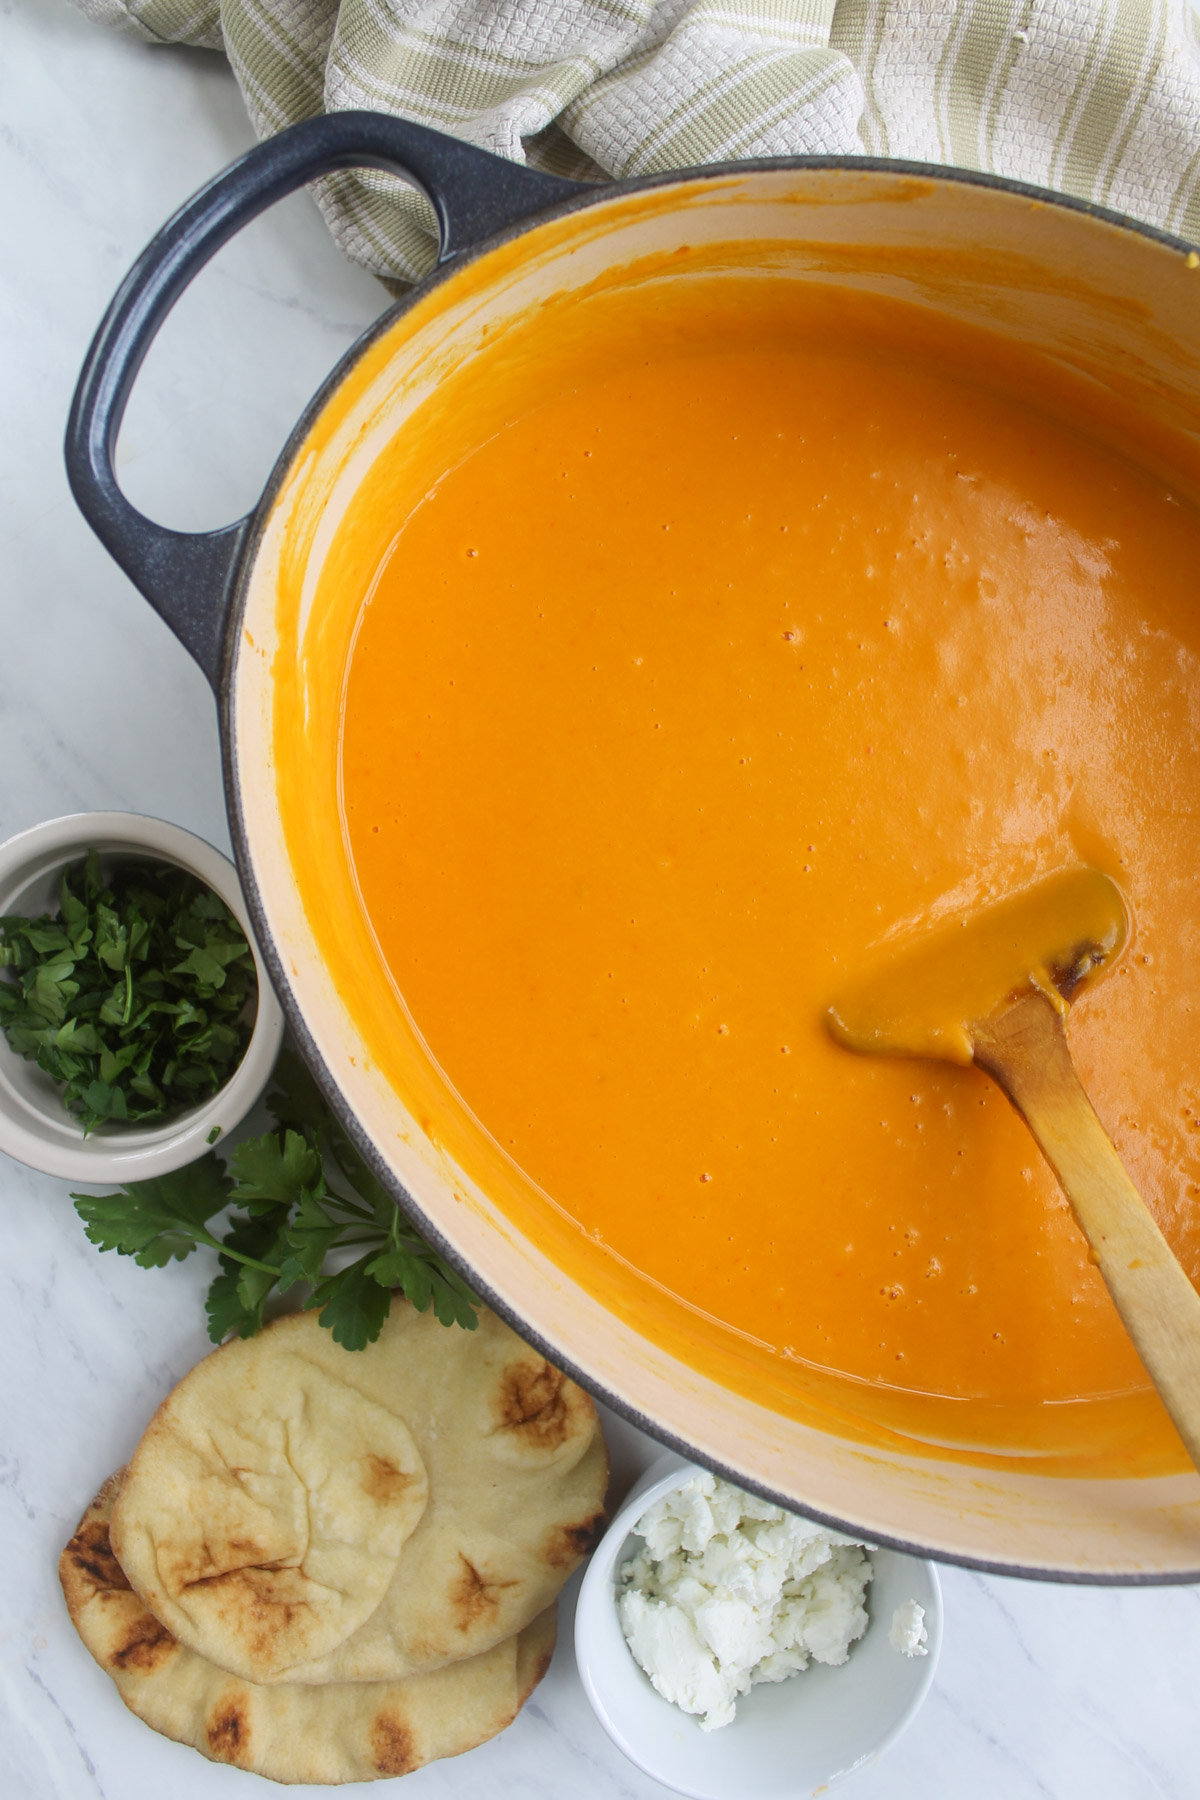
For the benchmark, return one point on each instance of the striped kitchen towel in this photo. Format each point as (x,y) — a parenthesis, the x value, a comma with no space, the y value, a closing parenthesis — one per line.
(1099,98)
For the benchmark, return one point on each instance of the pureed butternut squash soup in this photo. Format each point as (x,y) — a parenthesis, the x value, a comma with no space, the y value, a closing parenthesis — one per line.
(716,631)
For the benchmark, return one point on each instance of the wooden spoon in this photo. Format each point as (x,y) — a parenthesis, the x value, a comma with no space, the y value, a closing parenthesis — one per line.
(994,989)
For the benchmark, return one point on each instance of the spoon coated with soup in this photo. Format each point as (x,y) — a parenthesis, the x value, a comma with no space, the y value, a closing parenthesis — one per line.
(994,988)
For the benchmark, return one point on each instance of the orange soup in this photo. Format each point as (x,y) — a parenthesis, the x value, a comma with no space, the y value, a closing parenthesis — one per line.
(744,641)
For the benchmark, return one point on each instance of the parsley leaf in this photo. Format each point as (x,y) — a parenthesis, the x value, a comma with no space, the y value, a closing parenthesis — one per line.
(292,1221)
(295,1099)
(353,1305)
(312,1236)
(225,1311)
(280,1167)
(157,1220)
(237,1295)
(426,1280)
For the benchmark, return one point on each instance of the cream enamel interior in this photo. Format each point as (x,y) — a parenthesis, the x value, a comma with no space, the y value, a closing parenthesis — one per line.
(1114,306)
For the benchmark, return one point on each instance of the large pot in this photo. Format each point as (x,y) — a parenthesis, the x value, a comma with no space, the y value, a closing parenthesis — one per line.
(1102,295)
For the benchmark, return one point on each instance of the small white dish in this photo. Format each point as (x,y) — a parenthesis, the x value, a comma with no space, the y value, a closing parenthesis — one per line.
(790,1739)
(35,1127)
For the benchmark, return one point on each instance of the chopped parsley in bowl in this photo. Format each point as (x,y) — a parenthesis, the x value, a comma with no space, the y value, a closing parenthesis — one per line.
(137,1020)
(137,996)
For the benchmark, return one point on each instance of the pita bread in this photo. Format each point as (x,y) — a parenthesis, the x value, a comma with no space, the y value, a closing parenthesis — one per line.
(272,1505)
(348,1732)
(517,1471)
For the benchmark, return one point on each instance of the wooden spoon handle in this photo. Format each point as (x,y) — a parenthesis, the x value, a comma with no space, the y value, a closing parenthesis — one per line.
(1025,1050)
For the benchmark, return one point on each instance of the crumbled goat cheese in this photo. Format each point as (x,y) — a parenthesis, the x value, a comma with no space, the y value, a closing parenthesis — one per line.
(908,1633)
(729,1591)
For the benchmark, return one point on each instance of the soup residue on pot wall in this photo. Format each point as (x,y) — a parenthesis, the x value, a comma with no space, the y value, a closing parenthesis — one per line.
(754,629)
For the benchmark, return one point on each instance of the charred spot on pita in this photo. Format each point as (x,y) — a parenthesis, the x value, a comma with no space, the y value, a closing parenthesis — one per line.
(383,1481)
(148,1645)
(531,1402)
(571,1543)
(474,1595)
(91,1552)
(392,1748)
(228,1731)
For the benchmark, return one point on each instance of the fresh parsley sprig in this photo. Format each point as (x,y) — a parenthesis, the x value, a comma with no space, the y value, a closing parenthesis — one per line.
(303,1196)
(137,996)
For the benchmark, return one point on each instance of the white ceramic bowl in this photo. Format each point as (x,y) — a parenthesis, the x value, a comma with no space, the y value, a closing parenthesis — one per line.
(35,1127)
(791,1738)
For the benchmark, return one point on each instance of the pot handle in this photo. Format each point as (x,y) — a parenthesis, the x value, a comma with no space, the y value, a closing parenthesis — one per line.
(186,576)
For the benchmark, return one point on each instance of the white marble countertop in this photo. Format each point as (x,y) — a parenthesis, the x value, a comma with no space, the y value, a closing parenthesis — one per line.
(1042,1690)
